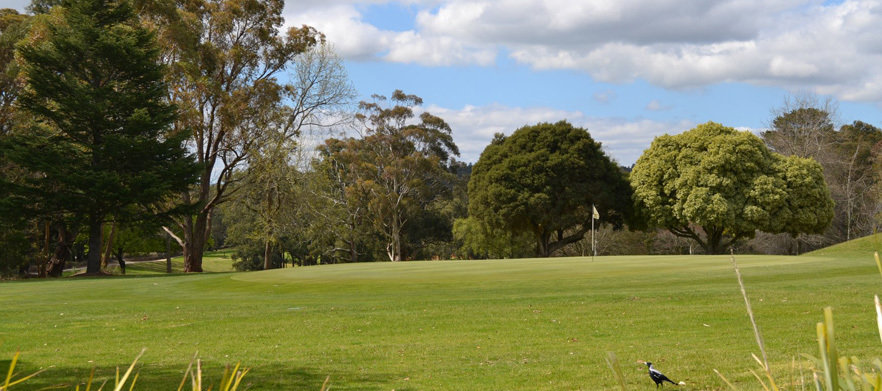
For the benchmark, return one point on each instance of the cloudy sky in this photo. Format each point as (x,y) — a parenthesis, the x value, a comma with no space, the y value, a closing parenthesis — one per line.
(627,70)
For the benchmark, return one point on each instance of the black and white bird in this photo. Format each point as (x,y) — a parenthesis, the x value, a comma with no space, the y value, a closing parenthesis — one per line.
(659,377)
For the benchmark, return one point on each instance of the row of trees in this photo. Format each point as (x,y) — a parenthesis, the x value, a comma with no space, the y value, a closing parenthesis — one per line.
(143,113)
(708,189)
(120,119)
(386,193)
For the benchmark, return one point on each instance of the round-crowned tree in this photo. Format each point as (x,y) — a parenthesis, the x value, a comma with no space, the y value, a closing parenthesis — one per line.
(716,185)
(543,180)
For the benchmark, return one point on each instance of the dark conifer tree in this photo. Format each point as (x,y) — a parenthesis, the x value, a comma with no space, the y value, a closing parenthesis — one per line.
(102,145)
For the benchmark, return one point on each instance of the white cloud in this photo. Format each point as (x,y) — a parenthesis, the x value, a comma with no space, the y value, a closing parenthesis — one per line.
(353,38)
(655,105)
(625,140)
(605,96)
(343,27)
(795,44)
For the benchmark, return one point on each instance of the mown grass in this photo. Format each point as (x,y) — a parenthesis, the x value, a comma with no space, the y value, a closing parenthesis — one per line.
(531,324)
(213,262)
(853,248)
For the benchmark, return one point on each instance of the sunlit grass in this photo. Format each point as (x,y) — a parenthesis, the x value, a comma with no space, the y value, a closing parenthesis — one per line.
(212,262)
(862,247)
(533,324)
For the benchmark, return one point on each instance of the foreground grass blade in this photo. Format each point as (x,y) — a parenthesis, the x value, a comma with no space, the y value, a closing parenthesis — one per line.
(134,380)
(613,363)
(231,379)
(760,380)
(768,373)
(832,353)
(239,377)
(756,331)
(878,314)
(91,378)
(198,379)
(11,369)
(9,382)
(187,372)
(725,380)
(125,377)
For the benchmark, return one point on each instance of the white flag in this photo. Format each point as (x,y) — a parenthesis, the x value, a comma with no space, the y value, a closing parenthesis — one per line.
(596,215)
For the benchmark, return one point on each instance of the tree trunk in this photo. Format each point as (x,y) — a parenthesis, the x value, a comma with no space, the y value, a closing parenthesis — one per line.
(93,259)
(563,241)
(266,255)
(353,252)
(194,247)
(168,268)
(715,243)
(44,254)
(393,249)
(542,239)
(120,260)
(108,247)
(62,251)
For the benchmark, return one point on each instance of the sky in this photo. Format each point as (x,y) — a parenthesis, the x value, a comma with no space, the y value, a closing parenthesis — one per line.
(625,70)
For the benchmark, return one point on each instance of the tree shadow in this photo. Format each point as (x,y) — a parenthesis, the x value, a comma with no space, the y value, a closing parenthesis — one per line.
(154,377)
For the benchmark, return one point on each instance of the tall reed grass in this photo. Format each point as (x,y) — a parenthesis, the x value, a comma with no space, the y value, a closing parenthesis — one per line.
(829,371)
(231,380)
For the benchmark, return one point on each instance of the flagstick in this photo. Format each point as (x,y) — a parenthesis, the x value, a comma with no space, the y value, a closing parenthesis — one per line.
(593,248)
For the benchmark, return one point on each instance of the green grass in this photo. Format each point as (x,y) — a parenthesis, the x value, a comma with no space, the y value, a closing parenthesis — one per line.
(853,248)
(213,262)
(531,324)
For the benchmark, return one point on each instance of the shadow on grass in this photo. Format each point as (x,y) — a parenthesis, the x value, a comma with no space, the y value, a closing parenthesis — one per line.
(265,377)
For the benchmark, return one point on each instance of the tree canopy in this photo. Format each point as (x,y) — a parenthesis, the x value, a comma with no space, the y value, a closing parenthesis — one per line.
(102,144)
(805,127)
(397,168)
(225,59)
(717,185)
(544,179)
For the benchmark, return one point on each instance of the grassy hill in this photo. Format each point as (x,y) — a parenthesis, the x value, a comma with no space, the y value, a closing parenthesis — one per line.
(853,248)
(529,324)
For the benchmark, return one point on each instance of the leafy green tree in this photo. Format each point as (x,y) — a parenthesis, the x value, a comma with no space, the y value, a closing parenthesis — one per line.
(13,28)
(225,58)
(543,180)
(270,192)
(102,146)
(338,206)
(805,128)
(15,237)
(403,164)
(858,146)
(433,236)
(397,168)
(716,185)
(804,131)
(478,240)
(272,183)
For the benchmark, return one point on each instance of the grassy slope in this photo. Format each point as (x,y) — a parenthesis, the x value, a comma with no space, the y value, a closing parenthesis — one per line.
(852,248)
(478,325)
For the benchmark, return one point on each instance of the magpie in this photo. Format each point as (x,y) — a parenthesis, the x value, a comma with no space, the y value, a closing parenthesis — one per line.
(659,377)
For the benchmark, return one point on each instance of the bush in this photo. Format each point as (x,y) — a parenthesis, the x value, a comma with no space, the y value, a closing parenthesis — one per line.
(250,257)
